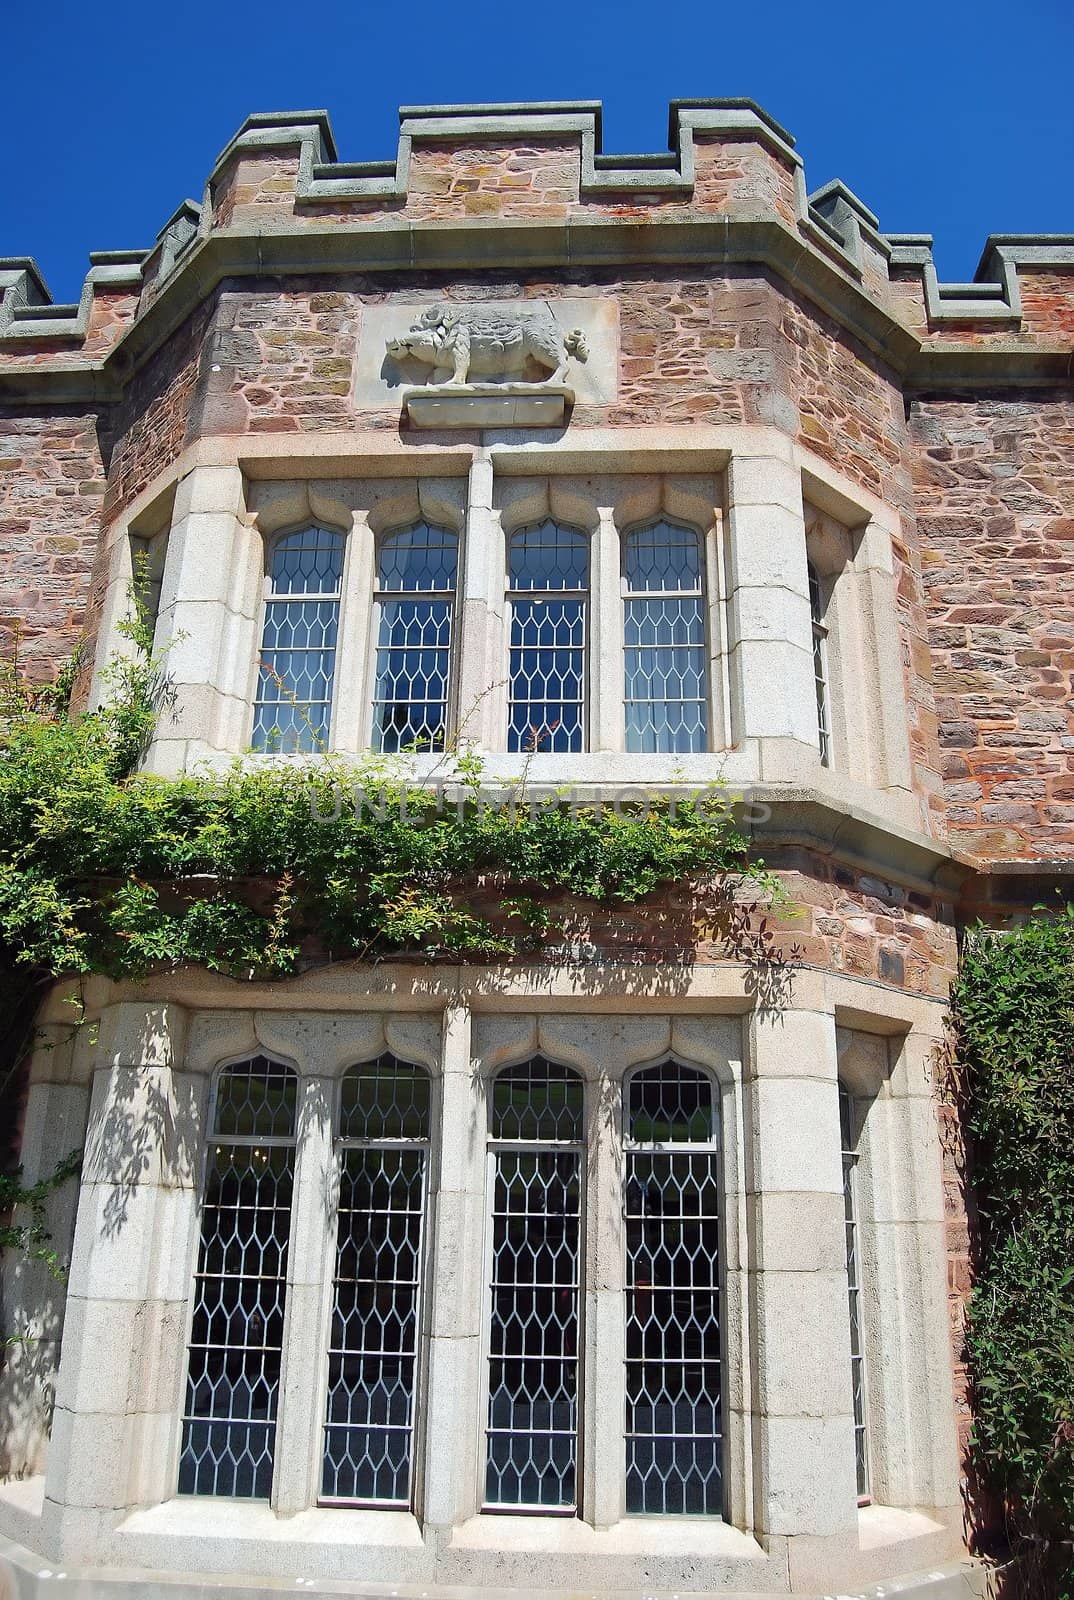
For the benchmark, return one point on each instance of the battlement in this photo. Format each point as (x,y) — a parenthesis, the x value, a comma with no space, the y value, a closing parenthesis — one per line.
(518,187)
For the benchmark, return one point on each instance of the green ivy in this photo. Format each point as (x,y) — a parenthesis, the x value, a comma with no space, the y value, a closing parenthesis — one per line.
(107,870)
(1013,1012)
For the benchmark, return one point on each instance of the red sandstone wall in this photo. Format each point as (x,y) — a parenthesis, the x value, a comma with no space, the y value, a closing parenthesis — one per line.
(51,488)
(994,480)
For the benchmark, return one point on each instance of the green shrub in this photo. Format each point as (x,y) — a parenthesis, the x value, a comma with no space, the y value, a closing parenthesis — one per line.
(1013,1016)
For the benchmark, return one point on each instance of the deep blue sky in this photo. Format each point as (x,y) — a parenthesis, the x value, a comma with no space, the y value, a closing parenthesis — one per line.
(957,120)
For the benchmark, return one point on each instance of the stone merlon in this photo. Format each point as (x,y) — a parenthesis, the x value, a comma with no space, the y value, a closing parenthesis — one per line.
(510,187)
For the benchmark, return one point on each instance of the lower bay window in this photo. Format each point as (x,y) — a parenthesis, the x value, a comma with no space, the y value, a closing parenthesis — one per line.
(555,1138)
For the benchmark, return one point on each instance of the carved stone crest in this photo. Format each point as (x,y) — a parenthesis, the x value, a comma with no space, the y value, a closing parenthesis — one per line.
(460,342)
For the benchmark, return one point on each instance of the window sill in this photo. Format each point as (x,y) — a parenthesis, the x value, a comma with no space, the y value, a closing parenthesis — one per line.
(664,1536)
(884,1525)
(253,1520)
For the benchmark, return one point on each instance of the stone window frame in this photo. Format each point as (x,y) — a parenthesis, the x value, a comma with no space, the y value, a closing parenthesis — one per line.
(606,1057)
(764,703)
(849,549)
(369,509)
(606,505)
(790,1424)
(722,1086)
(887,1076)
(271,539)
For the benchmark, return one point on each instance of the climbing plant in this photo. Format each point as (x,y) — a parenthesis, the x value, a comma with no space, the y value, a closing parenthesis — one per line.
(1013,1014)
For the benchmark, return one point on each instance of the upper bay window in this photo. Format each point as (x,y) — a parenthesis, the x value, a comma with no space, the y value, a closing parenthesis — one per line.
(666,683)
(548,593)
(297,665)
(415,603)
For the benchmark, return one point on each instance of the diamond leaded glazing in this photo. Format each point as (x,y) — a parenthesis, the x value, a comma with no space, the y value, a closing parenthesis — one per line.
(372,1355)
(820,665)
(671,1207)
(531,1456)
(857,1343)
(415,597)
(233,1378)
(548,583)
(664,637)
(296,668)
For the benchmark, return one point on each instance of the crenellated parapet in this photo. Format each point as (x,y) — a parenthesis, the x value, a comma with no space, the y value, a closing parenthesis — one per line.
(528,187)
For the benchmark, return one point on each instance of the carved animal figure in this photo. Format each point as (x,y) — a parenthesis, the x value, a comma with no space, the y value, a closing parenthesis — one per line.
(458,341)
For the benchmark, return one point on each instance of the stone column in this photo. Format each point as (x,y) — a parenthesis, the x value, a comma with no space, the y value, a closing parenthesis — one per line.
(773,699)
(480,695)
(352,694)
(210,605)
(803,1419)
(115,1439)
(447,1487)
(310,1262)
(606,731)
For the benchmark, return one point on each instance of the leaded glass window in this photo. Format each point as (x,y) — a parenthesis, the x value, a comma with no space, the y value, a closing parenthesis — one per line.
(372,1355)
(240,1286)
(820,666)
(848,1141)
(415,597)
(536,1181)
(296,668)
(548,590)
(674,1422)
(666,688)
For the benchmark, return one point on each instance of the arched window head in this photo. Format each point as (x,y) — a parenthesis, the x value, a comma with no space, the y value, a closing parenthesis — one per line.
(670,1103)
(666,680)
(297,664)
(548,591)
(385,1099)
(416,578)
(538,1100)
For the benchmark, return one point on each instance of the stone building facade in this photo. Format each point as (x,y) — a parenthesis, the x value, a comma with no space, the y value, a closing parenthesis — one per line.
(676,1268)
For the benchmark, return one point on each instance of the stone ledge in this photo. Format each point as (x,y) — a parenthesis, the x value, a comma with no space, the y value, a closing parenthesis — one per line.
(488,405)
(32,1577)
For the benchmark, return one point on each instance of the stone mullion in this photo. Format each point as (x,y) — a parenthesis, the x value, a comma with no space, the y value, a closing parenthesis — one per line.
(479,696)
(603,1369)
(606,728)
(310,1263)
(450,1409)
(356,648)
